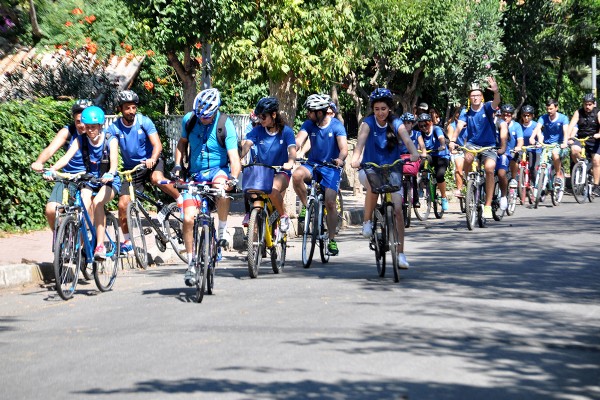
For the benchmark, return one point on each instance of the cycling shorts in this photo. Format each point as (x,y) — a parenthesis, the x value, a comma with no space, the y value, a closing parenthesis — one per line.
(57,193)
(502,162)
(491,153)
(329,177)
(592,146)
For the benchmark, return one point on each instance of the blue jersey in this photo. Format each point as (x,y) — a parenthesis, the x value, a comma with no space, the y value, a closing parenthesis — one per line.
(97,153)
(205,150)
(527,132)
(432,142)
(323,140)
(460,139)
(376,150)
(414,137)
(481,129)
(75,164)
(515,131)
(134,142)
(271,149)
(553,130)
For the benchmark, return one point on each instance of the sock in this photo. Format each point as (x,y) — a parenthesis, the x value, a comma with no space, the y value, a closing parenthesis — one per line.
(125,237)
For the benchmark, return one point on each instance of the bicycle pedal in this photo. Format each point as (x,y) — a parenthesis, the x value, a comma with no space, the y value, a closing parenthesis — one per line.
(147,231)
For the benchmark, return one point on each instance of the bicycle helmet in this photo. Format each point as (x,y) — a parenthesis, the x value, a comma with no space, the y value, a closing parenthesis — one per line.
(475,87)
(589,97)
(207,103)
(527,109)
(424,117)
(316,102)
(92,115)
(266,105)
(333,107)
(508,108)
(408,117)
(380,94)
(80,105)
(498,112)
(127,96)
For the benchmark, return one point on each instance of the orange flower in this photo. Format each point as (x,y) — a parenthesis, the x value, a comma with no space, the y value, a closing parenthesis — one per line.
(68,23)
(127,48)
(92,47)
(77,11)
(148,85)
(199,60)
(88,40)
(130,57)
(122,44)
(58,46)
(198,45)
(150,53)
(90,20)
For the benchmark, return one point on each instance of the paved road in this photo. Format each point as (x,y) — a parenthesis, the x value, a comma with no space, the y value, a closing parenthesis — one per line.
(507,312)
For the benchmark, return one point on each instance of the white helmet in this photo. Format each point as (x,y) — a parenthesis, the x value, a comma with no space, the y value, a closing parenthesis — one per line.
(207,103)
(316,102)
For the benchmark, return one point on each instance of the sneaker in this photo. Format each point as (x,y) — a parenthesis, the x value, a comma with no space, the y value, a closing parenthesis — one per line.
(219,253)
(558,182)
(513,184)
(126,247)
(224,238)
(190,275)
(245,220)
(367,230)
(402,263)
(596,190)
(458,193)
(284,223)
(444,204)
(302,214)
(100,253)
(487,212)
(503,203)
(332,247)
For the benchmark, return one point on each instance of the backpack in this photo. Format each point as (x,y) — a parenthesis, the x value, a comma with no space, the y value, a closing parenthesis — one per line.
(85,155)
(221,133)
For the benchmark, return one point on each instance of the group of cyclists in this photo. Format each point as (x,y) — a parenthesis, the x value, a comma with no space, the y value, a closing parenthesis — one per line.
(208,151)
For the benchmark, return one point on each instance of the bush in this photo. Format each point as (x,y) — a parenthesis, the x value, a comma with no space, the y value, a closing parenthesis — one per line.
(26,128)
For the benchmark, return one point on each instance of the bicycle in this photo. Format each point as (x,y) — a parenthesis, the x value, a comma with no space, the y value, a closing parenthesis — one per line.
(524,188)
(385,180)
(76,241)
(315,224)
(263,233)
(409,182)
(582,178)
(431,193)
(545,179)
(475,196)
(168,224)
(497,213)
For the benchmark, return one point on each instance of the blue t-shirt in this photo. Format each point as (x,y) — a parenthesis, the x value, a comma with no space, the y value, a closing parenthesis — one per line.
(460,139)
(134,142)
(271,149)
(515,131)
(96,155)
(527,132)
(323,140)
(432,142)
(481,129)
(553,130)
(205,150)
(376,150)
(414,137)
(75,164)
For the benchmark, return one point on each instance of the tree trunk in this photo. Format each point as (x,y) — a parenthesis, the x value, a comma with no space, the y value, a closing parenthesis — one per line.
(334,97)
(408,98)
(186,71)
(287,96)
(35,28)
(206,82)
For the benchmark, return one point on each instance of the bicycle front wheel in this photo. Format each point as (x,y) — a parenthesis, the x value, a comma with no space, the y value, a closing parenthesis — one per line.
(379,242)
(558,190)
(256,240)
(309,236)
(422,212)
(67,257)
(471,204)
(202,242)
(392,235)
(278,251)
(539,186)
(497,213)
(173,229)
(578,181)
(105,272)
(212,260)
(408,201)
(437,205)
(136,234)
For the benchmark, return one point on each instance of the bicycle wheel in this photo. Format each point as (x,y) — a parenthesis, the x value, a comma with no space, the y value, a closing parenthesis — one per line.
(323,235)
(212,257)
(578,181)
(557,191)
(422,212)
(481,220)
(256,240)
(539,186)
(173,229)
(497,213)
(378,242)
(512,202)
(408,200)
(522,185)
(339,204)
(202,260)
(278,251)
(105,272)
(392,235)
(437,202)
(67,257)
(136,234)
(309,236)
(471,204)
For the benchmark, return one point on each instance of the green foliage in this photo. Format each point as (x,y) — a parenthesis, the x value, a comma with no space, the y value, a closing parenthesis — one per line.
(26,128)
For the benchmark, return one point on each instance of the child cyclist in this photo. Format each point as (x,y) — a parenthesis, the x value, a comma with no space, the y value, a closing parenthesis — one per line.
(380,136)
(100,153)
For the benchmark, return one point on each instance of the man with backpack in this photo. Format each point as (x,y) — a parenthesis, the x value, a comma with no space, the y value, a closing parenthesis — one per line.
(212,157)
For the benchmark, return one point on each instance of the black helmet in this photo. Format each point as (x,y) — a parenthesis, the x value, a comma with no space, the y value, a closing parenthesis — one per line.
(508,108)
(127,96)
(589,97)
(80,105)
(424,117)
(266,105)
(527,109)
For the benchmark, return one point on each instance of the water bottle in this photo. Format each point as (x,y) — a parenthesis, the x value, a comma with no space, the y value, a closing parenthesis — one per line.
(204,207)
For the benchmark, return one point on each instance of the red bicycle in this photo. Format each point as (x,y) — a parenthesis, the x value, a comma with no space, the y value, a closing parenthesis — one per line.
(524,189)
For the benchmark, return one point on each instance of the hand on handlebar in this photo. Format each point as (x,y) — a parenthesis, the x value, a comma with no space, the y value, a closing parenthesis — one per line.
(49,175)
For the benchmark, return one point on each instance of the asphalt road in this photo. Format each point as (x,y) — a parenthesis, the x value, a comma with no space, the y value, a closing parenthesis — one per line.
(507,312)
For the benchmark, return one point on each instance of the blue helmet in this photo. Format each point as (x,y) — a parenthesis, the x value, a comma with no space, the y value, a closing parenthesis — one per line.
(381,94)
(207,102)
(266,105)
(92,115)
(408,117)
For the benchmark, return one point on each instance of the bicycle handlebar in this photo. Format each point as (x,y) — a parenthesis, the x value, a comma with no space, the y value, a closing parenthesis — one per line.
(128,174)
(372,164)
(202,188)
(318,164)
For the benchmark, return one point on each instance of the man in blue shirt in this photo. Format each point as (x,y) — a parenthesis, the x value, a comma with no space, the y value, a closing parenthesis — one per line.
(328,143)
(138,143)
(481,132)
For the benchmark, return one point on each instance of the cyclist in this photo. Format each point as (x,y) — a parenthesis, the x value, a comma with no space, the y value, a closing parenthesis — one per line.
(481,132)
(553,128)
(328,143)
(435,142)
(457,156)
(139,143)
(409,167)
(63,138)
(503,160)
(380,135)
(586,123)
(528,125)
(514,142)
(100,155)
(254,121)
(275,144)
(208,161)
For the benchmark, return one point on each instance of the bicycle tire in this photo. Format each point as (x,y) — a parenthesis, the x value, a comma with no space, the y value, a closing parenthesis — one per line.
(392,240)
(481,220)
(522,186)
(173,229)
(579,182)
(497,213)
(67,257)
(309,236)
(202,260)
(323,242)
(378,243)
(539,180)
(136,235)
(557,192)
(278,251)
(590,187)
(256,240)
(339,204)
(407,203)
(471,204)
(212,257)
(512,203)
(105,272)
(462,203)
(423,211)
(438,211)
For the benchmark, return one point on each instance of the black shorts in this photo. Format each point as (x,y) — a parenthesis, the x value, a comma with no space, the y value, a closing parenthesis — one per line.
(141,177)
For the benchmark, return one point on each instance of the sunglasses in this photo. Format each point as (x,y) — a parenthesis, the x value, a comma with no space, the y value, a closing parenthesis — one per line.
(263,117)
(527,115)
